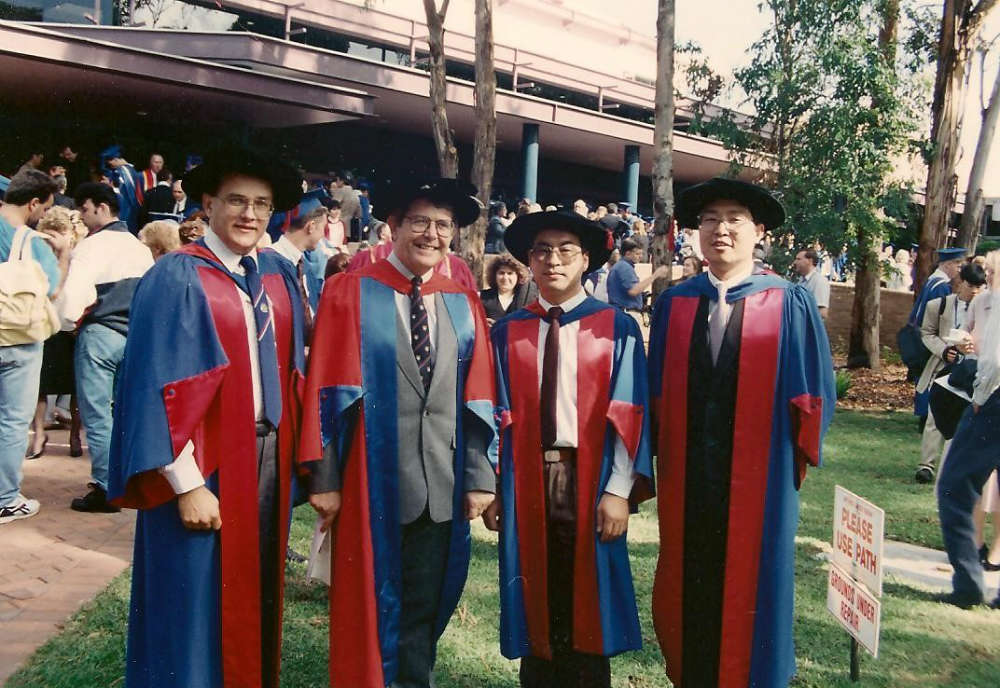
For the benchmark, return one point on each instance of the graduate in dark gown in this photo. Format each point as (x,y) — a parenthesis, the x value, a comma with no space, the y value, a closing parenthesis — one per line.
(741,380)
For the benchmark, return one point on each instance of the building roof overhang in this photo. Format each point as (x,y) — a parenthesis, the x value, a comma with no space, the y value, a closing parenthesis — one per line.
(568,133)
(53,68)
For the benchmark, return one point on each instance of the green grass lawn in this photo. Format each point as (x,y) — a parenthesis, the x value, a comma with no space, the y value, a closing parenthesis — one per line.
(923,643)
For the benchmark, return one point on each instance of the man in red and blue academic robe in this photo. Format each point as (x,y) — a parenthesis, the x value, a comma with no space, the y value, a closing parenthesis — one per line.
(205,425)
(575,451)
(742,383)
(399,407)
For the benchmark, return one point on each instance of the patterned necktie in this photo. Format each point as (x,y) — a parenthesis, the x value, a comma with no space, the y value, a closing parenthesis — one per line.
(717,324)
(306,307)
(550,378)
(267,351)
(420,334)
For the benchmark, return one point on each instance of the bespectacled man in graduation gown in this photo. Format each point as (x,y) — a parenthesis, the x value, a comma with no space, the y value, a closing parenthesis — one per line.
(399,404)
(205,426)
(742,385)
(575,460)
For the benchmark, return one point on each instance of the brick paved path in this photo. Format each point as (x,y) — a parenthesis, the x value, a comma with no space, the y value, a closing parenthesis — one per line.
(52,563)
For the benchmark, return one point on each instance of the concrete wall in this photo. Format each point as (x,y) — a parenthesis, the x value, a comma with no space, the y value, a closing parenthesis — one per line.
(895,309)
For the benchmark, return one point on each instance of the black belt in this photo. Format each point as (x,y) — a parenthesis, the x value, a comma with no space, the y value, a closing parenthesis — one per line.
(264,428)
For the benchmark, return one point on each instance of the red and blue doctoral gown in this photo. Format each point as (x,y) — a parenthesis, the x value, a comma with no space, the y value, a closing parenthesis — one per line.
(611,403)
(733,442)
(350,399)
(195,617)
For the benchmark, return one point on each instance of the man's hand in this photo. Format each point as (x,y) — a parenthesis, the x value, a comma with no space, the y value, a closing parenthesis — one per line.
(662,271)
(327,505)
(476,503)
(199,509)
(612,517)
(59,241)
(492,516)
(975,408)
(950,354)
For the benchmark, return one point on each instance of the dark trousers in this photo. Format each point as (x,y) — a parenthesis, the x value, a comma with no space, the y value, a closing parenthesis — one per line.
(271,560)
(567,668)
(424,558)
(974,454)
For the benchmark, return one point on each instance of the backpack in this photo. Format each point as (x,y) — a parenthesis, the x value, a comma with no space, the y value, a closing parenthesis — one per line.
(911,345)
(26,313)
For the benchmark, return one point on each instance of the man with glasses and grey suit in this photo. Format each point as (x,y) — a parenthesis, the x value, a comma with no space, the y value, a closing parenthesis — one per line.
(399,404)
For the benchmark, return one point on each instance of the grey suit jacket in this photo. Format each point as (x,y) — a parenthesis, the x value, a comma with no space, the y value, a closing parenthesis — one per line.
(426,427)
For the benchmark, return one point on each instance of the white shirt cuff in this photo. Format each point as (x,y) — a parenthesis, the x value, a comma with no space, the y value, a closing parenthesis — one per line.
(183,474)
(622,476)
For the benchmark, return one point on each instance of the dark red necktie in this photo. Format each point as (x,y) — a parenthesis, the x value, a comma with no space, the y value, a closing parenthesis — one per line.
(305,298)
(550,378)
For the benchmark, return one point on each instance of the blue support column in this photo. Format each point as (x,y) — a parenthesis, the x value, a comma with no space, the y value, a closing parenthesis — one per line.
(630,177)
(529,156)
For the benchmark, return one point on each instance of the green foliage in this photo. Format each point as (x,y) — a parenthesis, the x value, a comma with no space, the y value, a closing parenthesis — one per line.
(830,116)
(843,380)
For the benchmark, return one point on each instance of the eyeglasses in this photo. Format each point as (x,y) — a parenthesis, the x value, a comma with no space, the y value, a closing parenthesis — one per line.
(711,223)
(567,252)
(261,207)
(421,223)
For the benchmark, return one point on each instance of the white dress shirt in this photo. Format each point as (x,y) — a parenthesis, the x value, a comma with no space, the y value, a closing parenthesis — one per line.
(723,287)
(183,474)
(285,248)
(622,477)
(403,302)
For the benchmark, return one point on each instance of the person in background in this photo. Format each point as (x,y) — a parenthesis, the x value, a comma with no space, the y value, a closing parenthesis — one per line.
(335,265)
(96,301)
(596,282)
(625,289)
(193,228)
(806,266)
(509,290)
(495,228)
(160,237)
(28,196)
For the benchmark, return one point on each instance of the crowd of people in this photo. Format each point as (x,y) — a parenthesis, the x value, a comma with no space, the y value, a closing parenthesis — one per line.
(231,358)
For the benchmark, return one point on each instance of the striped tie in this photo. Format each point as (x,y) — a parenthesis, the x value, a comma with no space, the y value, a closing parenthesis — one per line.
(267,351)
(420,334)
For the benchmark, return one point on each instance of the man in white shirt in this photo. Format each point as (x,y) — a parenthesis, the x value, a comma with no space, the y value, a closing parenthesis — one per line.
(572,395)
(806,262)
(104,271)
(205,421)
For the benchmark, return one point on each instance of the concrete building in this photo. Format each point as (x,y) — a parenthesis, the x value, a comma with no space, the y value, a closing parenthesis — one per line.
(342,85)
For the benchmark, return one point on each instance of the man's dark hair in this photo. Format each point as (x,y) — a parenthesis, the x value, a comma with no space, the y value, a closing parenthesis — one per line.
(164,175)
(28,184)
(973,273)
(96,193)
(301,221)
(612,208)
(628,245)
(810,254)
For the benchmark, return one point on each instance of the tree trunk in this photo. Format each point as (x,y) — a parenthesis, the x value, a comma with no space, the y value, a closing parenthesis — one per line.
(863,343)
(863,340)
(968,233)
(485,145)
(960,27)
(447,153)
(663,141)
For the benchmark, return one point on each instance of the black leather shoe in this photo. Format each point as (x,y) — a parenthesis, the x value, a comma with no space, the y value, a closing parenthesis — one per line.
(984,553)
(960,602)
(990,566)
(95,502)
(924,475)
